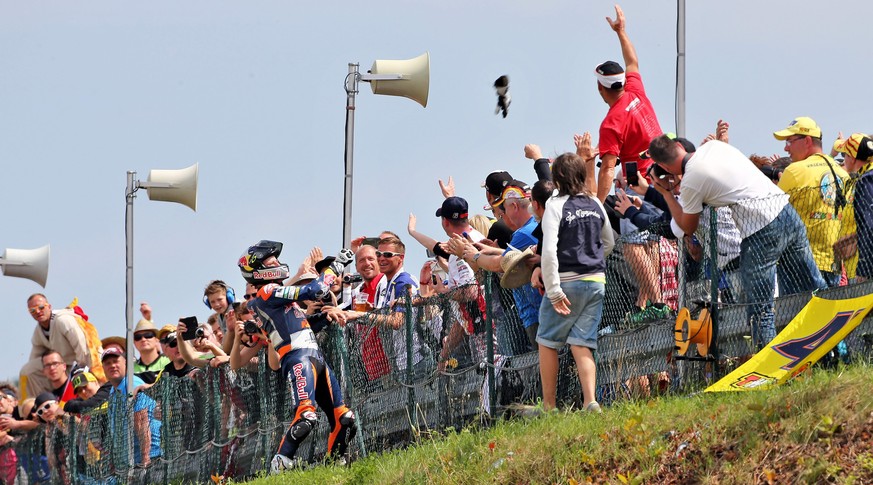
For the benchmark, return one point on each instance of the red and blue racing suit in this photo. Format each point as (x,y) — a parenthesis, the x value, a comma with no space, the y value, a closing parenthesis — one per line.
(303,365)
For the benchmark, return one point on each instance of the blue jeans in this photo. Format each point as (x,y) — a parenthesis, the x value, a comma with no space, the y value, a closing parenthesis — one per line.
(580,326)
(832,278)
(784,240)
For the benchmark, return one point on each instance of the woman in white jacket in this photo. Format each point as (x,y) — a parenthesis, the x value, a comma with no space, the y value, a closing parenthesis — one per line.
(577,238)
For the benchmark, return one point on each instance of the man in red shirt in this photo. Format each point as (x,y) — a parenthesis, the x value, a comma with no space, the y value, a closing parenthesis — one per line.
(629,127)
(631,123)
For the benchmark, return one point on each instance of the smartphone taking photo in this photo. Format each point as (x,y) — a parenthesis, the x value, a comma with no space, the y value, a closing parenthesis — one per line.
(631,173)
(190,328)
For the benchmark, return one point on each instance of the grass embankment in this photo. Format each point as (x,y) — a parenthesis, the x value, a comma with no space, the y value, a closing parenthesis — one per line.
(816,429)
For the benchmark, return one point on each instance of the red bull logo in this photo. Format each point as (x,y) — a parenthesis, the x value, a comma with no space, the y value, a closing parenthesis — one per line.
(300,382)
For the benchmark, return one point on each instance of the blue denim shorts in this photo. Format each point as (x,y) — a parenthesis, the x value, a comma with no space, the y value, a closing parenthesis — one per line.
(580,326)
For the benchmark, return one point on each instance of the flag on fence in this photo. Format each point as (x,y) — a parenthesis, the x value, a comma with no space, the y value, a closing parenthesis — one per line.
(813,332)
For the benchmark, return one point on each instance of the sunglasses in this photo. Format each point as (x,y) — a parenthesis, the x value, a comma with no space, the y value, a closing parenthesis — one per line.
(36,309)
(143,335)
(387,254)
(249,296)
(44,408)
(172,343)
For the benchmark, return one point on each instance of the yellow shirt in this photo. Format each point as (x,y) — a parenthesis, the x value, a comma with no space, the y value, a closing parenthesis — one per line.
(812,191)
(850,228)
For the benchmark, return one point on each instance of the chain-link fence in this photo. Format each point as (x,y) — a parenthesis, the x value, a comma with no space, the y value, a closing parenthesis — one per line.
(430,364)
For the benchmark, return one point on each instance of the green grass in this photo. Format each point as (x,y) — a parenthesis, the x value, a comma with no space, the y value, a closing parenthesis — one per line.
(817,429)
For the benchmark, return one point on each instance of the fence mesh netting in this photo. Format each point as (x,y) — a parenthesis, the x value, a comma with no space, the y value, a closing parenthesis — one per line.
(444,362)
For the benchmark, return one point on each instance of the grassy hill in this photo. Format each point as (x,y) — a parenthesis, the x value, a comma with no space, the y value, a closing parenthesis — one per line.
(816,429)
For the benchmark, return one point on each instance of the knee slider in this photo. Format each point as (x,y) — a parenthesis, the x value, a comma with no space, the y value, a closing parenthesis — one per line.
(304,426)
(347,419)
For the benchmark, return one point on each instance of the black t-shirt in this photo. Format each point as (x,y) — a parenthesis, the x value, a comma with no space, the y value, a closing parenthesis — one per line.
(59,392)
(500,233)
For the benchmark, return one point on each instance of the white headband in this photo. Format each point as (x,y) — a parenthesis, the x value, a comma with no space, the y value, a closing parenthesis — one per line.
(608,81)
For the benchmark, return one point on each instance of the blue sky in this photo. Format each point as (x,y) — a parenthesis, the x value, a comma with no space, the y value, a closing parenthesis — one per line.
(253,92)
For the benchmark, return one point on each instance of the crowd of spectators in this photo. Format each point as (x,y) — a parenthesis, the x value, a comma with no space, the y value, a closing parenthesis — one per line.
(784,226)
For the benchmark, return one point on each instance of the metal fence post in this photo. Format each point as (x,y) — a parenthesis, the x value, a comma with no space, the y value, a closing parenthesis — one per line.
(714,297)
(489,344)
(410,391)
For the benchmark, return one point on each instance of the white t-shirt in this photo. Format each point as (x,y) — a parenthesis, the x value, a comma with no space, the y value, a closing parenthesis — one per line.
(719,175)
(460,273)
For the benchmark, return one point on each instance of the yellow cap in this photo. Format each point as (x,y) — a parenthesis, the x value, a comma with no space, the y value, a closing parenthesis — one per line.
(799,126)
(856,144)
(165,330)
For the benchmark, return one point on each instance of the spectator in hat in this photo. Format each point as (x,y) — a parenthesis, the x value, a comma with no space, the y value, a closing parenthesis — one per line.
(46,407)
(857,252)
(90,394)
(513,205)
(630,124)
(13,419)
(170,345)
(151,360)
(719,175)
(114,341)
(494,184)
(454,219)
(147,429)
(815,185)
(57,330)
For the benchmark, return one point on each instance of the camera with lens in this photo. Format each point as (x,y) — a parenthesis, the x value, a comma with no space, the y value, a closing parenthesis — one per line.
(251,328)
(352,278)
(200,332)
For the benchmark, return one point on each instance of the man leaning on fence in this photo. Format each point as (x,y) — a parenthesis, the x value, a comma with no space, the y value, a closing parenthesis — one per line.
(295,350)
(719,175)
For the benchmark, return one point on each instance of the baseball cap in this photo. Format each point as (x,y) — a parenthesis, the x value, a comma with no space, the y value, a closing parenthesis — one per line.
(166,329)
(496,181)
(111,351)
(44,398)
(610,75)
(324,263)
(515,190)
(82,379)
(799,126)
(609,68)
(857,145)
(453,208)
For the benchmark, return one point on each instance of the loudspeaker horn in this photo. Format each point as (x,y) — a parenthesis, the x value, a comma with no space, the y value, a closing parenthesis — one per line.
(174,186)
(26,263)
(415,83)
(690,331)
